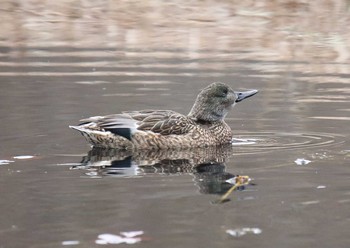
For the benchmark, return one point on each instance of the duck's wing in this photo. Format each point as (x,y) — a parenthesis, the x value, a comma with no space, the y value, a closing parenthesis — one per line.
(164,122)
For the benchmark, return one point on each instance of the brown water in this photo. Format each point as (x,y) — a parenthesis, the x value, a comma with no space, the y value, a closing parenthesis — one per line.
(62,61)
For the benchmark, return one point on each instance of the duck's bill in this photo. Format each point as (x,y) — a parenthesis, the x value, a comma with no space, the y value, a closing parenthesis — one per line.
(245,94)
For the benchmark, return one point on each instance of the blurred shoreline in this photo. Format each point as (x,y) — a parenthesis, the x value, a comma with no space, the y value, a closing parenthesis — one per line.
(269,30)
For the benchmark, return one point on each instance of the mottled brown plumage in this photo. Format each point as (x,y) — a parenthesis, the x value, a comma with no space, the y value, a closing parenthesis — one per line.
(165,129)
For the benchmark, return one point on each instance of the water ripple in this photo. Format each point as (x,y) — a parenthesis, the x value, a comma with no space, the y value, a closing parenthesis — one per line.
(271,141)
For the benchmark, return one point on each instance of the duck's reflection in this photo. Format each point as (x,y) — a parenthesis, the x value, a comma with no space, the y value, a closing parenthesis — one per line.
(207,165)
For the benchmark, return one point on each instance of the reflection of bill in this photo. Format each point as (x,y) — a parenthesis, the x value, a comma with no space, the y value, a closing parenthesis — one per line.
(206,165)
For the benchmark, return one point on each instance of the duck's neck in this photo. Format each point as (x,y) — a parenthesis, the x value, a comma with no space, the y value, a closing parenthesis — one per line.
(205,115)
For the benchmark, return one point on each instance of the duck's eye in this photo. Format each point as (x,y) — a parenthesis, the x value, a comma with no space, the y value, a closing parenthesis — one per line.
(224,92)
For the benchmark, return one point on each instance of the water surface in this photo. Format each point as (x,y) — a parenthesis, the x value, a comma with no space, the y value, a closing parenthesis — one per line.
(60,62)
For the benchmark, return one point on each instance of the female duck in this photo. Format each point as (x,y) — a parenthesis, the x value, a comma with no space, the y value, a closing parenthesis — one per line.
(165,129)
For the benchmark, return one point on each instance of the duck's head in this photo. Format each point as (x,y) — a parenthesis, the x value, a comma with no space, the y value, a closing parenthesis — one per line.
(215,100)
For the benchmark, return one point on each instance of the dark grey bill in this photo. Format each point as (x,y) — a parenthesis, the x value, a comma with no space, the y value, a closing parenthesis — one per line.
(245,94)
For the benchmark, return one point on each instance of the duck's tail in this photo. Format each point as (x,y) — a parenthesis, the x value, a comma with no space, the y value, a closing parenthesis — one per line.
(90,135)
(100,138)
(78,128)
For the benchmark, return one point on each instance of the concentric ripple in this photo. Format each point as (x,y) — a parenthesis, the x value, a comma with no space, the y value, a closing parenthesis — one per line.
(267,141)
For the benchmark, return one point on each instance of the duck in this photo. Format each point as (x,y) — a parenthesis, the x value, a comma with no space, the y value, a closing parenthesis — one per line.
(148,129)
